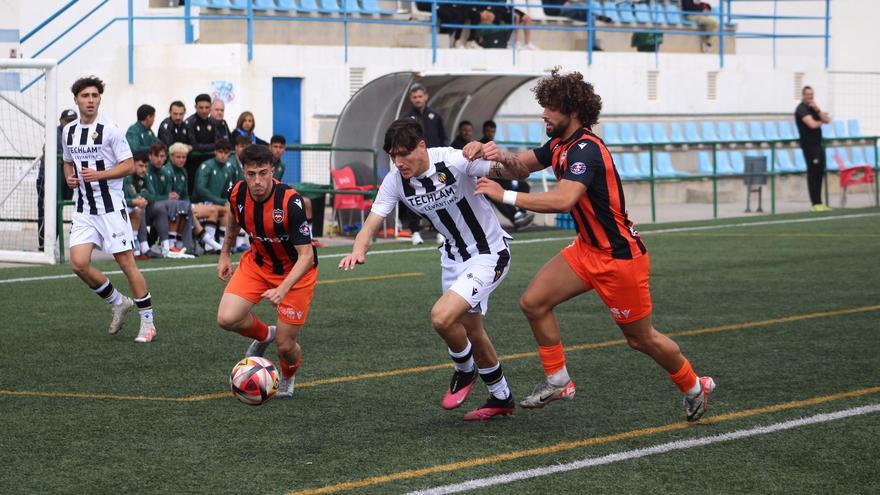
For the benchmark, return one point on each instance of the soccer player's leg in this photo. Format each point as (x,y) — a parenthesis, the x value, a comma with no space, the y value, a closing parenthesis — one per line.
(446,318)
(292,315)
(120,248)
(500,401)
(557,281)
(243,291)
(623,286)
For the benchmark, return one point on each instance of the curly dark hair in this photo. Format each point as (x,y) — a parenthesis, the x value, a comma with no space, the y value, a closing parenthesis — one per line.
(87,82)
(404,134)
(569,94)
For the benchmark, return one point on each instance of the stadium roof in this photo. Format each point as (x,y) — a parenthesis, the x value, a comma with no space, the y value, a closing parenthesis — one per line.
(468,96)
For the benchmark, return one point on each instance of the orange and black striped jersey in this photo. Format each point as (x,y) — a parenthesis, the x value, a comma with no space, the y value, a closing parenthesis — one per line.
(599,215)
(275,226)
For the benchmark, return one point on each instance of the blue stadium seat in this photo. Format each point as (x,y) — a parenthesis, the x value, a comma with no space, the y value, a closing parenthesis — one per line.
(707,129)
(265,5)
(658,15)
(786,130)
(858,157)
(737,162)
(783,161)
(230,4)
(673,15)
(827,131)
(664,166)
(870,155)
(625,10)
(629,167)
(372,7)
(609,7)
(724,166)
(690,131)
(799,163)
(308,6)
(844,155)
(199,3)
(515,132)
(610,133)
(537,134)
(704,162)
(645,164)
(642,13)
(756,131)
(684,19)
(658,130)
(219,4)
(840,129)
(830,162)
(676,136)
(643,133)
(770,130)
(627,134)
(854,130)
(739,131)
(499,134)
(328,6)
(724,131)
(286,5)
(352,7)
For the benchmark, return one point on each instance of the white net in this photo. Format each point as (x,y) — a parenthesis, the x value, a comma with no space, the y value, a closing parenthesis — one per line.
(25,233)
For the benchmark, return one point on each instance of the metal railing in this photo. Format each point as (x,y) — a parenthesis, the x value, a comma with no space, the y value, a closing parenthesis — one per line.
(725,18)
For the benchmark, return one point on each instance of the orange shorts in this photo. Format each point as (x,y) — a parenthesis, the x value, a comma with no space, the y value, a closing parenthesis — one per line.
(250,281)
(622,284)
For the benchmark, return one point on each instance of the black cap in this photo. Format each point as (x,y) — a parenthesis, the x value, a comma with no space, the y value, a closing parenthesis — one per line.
(68,115)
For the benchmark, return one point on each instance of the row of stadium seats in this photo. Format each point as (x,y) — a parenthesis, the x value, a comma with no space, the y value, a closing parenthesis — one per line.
(293,6)
(635,166)
(614,133)
(628,12)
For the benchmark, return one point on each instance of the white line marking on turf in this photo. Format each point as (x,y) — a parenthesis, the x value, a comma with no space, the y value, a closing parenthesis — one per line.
(421,249)
(639,453)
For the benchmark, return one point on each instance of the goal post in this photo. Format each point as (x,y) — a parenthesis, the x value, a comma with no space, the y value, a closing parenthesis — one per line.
(28,142)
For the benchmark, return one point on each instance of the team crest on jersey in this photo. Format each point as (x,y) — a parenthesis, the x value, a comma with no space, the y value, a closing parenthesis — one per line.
(304,229)
(578,168)
(441,177)
(278,215)
(94,136)
(209,127)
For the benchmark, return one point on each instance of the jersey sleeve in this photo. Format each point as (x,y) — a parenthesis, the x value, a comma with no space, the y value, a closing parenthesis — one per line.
(65,152)
(298,225)
(389,194)
(584,163)
(544,154)
(121,149)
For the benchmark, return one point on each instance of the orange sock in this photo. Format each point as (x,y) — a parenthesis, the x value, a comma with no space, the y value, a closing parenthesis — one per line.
(287,370)
(685,378)
(258,330)
(552,358)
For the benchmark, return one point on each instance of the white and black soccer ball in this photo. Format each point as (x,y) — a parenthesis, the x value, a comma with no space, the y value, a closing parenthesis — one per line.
(254,380)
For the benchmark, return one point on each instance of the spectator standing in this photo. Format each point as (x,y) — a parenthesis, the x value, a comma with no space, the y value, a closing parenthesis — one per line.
(245,127)
(809,119)
(203,132)
(705,21)
(465,134)
(140,134)
(173,128)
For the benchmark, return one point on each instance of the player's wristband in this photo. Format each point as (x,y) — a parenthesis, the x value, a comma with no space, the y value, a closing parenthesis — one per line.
(509,198)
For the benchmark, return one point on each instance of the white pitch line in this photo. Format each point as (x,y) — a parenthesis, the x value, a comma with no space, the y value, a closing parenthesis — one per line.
(421,249)
(639,453)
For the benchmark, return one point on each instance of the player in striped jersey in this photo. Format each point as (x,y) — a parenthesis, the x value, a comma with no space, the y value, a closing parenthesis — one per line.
(281,266)
(96,161)
(607,255)
(438,184)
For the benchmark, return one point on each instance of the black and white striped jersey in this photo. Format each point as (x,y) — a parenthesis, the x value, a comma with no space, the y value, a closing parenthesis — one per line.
(445,196)
(99,145)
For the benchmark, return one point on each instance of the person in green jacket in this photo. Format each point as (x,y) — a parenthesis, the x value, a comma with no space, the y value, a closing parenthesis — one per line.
(186,223)
(161,178)
(278,145)
(212,176)
(138,195)
(176,165)
(140,135)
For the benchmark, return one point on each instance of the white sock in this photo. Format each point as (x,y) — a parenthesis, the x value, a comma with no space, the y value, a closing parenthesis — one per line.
(560,378)
(464,360)
(211,231)
(166,245)
(144,247)
(145,308)
(498,388)
(696,389)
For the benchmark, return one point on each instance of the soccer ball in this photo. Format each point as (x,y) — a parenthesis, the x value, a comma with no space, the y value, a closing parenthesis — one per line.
(254,380)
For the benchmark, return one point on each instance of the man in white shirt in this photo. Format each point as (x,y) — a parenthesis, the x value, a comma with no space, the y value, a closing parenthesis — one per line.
(438,184)
(97,159)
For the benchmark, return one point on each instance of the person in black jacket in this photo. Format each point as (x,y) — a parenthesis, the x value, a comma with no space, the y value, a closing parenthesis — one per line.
(808,118)
(218,113)
(203,132)
(173,128)
(464,136)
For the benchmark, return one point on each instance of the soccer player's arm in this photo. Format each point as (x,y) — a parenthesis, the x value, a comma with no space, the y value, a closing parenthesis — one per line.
(803,114)
(67,165)
(507,165)
(302,241)
(384,204)
(224,261)
(584,164)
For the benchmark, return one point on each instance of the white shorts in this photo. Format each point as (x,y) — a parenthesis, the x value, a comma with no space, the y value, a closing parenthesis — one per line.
(476,278)
(111,232)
